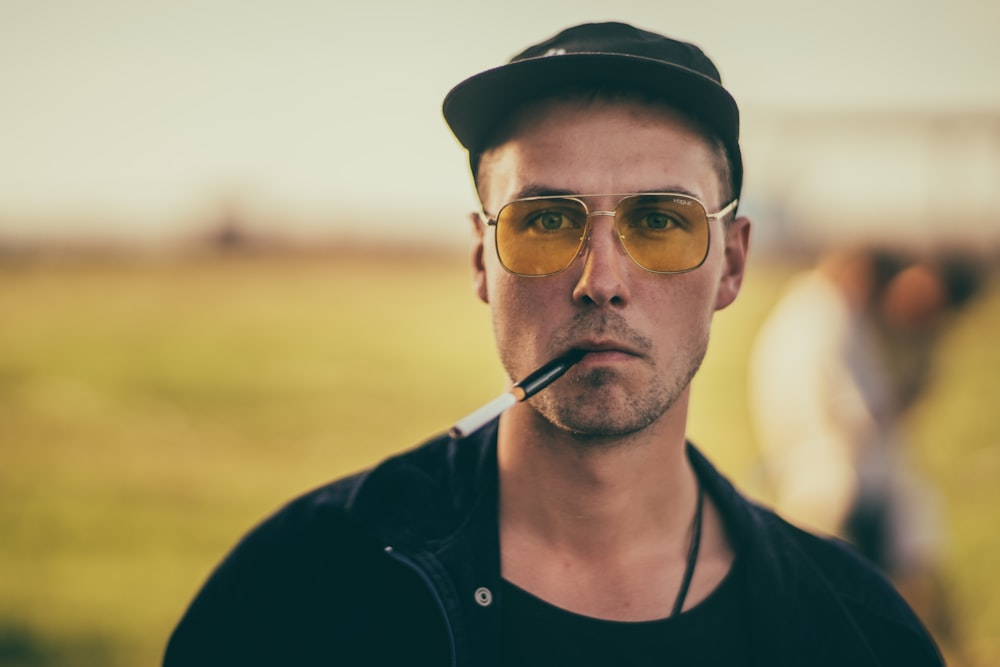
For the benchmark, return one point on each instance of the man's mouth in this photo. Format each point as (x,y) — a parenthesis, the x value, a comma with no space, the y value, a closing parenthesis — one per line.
(604,352)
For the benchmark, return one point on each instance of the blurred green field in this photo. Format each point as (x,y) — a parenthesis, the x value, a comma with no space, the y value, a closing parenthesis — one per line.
(152,410)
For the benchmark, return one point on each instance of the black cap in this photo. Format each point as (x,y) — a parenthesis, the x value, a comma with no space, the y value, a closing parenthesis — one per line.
(677,72)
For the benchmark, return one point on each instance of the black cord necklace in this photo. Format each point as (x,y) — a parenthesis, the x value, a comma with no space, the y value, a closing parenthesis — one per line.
(692,558)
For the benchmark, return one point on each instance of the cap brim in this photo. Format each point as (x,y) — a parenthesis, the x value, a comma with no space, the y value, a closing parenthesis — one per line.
(476,106)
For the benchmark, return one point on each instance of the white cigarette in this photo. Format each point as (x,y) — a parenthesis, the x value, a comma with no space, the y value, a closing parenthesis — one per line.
(482,416)
(524,389)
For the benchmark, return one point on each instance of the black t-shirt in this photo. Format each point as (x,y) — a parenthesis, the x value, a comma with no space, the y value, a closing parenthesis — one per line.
(712,633)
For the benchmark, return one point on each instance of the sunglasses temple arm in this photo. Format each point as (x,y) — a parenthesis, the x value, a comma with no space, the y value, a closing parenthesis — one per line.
(726,210)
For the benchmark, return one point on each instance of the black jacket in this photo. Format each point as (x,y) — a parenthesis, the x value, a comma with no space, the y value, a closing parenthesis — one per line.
(400,565)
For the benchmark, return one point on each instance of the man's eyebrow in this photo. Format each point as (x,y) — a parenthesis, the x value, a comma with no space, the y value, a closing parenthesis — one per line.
(538,190)
(672,189)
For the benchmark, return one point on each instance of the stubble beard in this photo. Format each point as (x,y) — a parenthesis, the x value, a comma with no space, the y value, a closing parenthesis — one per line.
(598,406)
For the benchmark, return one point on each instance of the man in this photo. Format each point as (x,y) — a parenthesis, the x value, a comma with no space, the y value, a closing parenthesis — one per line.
(846,352)
(579,528)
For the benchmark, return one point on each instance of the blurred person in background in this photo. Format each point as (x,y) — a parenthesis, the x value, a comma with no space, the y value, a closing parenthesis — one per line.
(580,527)
(845,353)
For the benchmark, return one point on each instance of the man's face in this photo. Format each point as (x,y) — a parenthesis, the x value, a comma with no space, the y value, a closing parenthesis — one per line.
(646,333)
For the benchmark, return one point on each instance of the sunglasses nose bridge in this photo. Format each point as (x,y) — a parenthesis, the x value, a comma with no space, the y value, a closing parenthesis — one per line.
(587,241)
(598,214)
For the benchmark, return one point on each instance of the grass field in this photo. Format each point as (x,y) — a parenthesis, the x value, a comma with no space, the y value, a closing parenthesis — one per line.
(152,411)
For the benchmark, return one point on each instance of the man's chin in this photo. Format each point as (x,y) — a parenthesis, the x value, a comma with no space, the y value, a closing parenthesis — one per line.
(602,415)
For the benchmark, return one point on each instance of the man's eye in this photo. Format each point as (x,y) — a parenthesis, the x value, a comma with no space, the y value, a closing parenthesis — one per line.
(550,221)
(660,221)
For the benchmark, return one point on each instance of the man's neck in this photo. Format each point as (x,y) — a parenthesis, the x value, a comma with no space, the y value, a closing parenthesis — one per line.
(602,529)
(589,495)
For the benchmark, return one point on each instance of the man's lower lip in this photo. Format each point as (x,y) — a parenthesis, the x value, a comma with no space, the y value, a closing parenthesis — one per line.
(605,357)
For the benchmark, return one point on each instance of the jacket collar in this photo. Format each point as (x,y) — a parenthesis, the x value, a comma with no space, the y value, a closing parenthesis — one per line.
(438,503)
(425,497)
(436,506)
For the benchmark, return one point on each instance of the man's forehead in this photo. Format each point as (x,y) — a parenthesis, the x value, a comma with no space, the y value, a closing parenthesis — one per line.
(582,105)
(559,146)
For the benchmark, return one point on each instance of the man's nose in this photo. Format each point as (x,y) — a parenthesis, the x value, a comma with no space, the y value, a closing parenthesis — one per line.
(605,264)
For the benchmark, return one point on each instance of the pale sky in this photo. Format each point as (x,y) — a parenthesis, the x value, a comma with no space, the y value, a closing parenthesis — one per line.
(136,118)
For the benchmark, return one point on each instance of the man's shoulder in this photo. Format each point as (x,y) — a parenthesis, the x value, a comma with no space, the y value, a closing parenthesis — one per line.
(788,550)
(858,581)
(841,566)
(345,521)
(835,586)
(314,564)
(415,489)
(340,495)
(816,588)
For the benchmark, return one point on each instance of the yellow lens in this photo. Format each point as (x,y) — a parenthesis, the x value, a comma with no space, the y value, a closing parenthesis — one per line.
(663,233)
(539,237)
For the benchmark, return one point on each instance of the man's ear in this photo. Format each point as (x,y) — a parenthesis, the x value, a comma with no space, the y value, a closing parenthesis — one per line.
(478,257)
(737,238)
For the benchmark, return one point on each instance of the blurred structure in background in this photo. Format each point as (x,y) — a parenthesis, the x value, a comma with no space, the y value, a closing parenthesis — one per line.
(846,352)
(913,179)
(922,181)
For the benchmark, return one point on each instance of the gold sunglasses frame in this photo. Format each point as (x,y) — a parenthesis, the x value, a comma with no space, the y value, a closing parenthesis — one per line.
(709,218)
